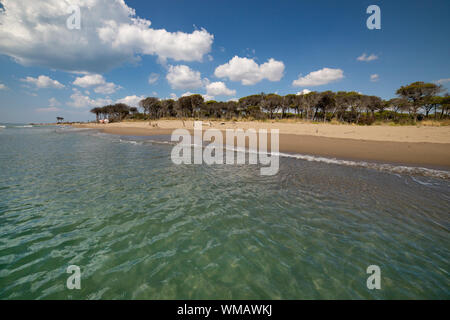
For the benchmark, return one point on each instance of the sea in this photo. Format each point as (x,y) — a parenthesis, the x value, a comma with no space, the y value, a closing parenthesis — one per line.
(137,226)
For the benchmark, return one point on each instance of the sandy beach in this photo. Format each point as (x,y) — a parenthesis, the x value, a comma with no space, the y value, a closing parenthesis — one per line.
(427,146)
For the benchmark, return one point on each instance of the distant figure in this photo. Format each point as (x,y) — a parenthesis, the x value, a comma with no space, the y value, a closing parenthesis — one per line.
(59,119)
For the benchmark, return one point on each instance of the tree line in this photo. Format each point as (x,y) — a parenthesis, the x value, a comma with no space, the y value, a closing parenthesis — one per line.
(416,101)
(115,112)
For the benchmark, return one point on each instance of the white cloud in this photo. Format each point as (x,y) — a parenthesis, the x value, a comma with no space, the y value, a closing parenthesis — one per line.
(249,72)
(3,87)
(207,97)
(110,35)
(183,77)
(212,89)
(50,109)
(107,88)
(374,77)
(366,58)
(319,77)
(139,37)
(153,78)
(173,96)
(43,82)
(219,89)
(304,91)
(132,101)
(442,81)
(78,100)
(91,80)
(52,102)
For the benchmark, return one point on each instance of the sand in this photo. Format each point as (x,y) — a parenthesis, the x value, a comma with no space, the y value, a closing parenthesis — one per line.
(409,145)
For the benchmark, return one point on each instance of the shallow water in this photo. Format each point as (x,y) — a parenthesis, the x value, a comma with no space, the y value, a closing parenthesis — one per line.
(141,227)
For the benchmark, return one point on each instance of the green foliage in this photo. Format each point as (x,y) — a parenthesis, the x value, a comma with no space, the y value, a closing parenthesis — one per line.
(415,102)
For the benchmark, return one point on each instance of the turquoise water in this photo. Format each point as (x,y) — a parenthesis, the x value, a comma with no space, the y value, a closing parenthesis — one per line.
(140,227)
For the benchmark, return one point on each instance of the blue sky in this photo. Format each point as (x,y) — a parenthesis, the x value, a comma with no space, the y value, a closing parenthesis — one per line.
(48,70)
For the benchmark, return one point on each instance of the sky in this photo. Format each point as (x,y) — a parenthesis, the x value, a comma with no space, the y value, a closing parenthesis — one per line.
(124,51)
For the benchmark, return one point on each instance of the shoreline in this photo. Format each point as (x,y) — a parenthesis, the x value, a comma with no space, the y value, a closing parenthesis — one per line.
(411,146)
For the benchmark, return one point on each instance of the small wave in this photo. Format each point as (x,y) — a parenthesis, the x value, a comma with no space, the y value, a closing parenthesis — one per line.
(2,127)
(391,168)
(25,126)
(422,182)
(147,141)
(130,141)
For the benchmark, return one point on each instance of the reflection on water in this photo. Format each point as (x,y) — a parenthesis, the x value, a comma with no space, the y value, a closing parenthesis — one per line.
(141,227)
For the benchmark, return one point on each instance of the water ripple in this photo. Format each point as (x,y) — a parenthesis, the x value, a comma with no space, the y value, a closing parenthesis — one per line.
(140,227)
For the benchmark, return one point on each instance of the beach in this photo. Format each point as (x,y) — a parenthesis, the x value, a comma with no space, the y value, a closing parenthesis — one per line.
(140,226)
(427,146)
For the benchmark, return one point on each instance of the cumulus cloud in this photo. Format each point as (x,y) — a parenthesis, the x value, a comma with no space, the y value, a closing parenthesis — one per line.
(43,82)
(89,80)
(319,77)
(442,81)
(78,100)
(110,35)
(2,86)
(366,58)
(182,77)
(249,72)
(98,81)
(132,101)
(207,97)
(218,89)
(374,77)
(107,88)
(213,89)
(153,78)
(304,91)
